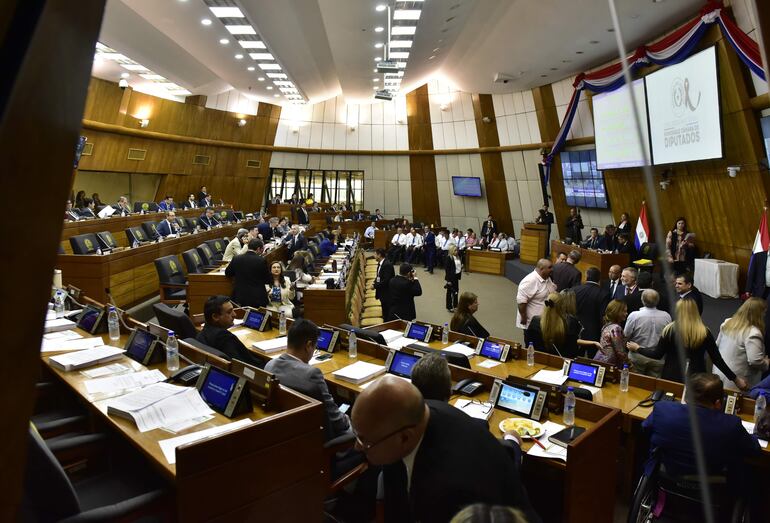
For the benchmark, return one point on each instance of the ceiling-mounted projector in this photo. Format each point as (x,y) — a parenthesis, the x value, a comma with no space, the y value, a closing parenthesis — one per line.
(383,94)
(387,66)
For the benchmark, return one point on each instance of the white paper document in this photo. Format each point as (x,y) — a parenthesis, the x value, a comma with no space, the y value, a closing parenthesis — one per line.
(60,324)
(124,382)
(554,377)
(62,335)
(168,410)
(273,345)
(84,358)
(390,335)
(403,342)
(551,449)
(749,426)
(359,371)
(107,370)
(70,345)
(488,364)
(475,409)
(168,446)
(461,349)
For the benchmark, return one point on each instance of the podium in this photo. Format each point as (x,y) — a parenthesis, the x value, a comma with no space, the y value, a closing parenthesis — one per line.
(590,258)
(534,239)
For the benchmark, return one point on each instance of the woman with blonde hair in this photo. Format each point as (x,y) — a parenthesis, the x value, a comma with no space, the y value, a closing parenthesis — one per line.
(612,341)
(741,342)
(463,319)
(557,330)
(689,330)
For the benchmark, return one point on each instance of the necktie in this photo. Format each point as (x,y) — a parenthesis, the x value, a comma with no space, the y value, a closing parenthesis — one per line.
(612,289)
(628,291)
(397,491)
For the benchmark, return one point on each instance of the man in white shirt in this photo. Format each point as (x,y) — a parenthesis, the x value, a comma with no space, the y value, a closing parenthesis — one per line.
(369,232)
(419,241)
(397,246)
(533,291)
(409,244)
(644,327)
(497,242)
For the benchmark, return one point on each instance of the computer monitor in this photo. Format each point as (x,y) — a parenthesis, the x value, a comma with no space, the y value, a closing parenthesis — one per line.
(327,339)
(418,331)
(401,363)
(141,347)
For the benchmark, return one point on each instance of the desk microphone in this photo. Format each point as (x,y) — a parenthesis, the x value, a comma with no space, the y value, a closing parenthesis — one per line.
(469,328)
(557,350)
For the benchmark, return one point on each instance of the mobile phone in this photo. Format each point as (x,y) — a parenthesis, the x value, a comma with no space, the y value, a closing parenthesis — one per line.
(323,357)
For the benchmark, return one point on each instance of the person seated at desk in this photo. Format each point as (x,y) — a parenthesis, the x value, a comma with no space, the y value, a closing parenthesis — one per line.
(412,245)
(378,215)
(327,246)
(88,210)
(556,330)
(122,208)
(207,220)
(282,229)
(725,442)
(432,377)
(624,247)
(298,264)
(369,232)
(566,275)
(607,241)
(593,241)
(338,217)
(219,314)
(489,228)
(280,290)
(292,370)
(697,341)
(463,320)
(169,226)
(427,476)
(238,245)
(397,246)
(402,291)
(295,240)
(167,204)
(190,202)
(80,200)
(249,274)
(97,200)
(204,198)
(265,229)
(70,214)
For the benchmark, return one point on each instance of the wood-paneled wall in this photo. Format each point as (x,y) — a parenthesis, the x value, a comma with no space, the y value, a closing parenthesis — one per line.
(422,169)
(227,175)
(492,163)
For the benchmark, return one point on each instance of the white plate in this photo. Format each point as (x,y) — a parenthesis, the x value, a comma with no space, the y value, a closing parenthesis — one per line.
(535,425)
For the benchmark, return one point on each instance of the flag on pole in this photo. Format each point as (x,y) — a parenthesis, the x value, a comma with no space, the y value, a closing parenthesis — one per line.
(762,239)
(642,233)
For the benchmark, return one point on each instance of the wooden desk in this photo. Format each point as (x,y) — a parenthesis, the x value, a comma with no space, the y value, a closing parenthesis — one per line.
(487,262)
(382,239)
(118,224)
(590,258)
(282,210)
(130,275)
(284,445)
(534,239)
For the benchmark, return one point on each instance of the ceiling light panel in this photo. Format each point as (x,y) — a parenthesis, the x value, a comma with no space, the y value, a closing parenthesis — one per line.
(226,12)
(406,14)
(252,44)
(270,67)
(276,75)
(241,29)
(399,54)
(261,56)
(403,30)
(401,44)
(157,81)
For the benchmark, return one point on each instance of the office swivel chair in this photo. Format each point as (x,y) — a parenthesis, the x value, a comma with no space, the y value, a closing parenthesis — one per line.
(49,495)
(176,320)
(150,230)
(207,255)
(84,244)
(183,225)
(217,247)
(194,262)
(145,206)
(173,284)
(107,240)
(136,235)
(192,223)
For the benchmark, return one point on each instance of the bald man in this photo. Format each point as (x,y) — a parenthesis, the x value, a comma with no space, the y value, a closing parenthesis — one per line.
(436,459)
(534,288)
(614,287)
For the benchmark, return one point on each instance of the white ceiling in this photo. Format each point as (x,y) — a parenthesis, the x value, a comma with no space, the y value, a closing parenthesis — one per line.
(327,46)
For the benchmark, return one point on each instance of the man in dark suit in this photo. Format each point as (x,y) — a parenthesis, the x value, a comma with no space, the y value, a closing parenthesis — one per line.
(292,370)
(381,285)
(634,299)
(265,229)
(204,200)
(295,241)
(489,228)
(207,219)
(607,240)
(726,444)
(249,273)
(89,211)
(190,202)
(430,249)
(591,301)
(613,287)
(70,214)
(566,275)
(593,241)
(302,216)
(624,247)
(426,475)
(168,226)
(574,225)
(403,289)
(687,291)
(628,278)
(218,311)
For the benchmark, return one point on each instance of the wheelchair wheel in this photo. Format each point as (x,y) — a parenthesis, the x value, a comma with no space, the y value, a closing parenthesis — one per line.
(643,503)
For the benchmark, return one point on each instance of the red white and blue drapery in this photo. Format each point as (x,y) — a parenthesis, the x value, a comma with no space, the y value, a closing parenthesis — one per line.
(669,50)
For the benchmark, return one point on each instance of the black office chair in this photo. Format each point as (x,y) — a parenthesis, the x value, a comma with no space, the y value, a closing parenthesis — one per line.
(107,240)
(193,262)
(206,348)
(49,495)
(226,216)
(176,320)
(84,243)
(183,225)
(207,255)
(313,248)
(145,206)
(150,230)
(136,235)
(192,224)
(173,284)
(217,246)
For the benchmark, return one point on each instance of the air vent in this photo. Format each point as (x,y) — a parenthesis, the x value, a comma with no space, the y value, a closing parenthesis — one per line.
(254,164)
(201,159)
(88,149)
(137,154)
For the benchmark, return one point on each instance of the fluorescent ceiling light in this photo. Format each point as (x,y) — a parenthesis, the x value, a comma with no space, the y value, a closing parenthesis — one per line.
(112,56)
(261,78)
(134,67)
(170,86)
(152,77)
(250,68)
(252,44)
(239,57)
(379,29)
(224,41)
(226,12)
(283,82)
(403,30)
(401,65)
(276,75)
(261,56)
(406,14)
(269,87)
(124,75)
(399,54)
(401,43)
(378,45)
(206,21)
(381,7)
(240,29)
(270,67)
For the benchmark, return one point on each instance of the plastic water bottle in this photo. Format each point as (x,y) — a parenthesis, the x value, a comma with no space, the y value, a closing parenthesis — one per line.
(624,378)
(445,334)
(98,252)
(172,353)
(282,323)
(352,345)
(569,407)
(113,324)
(760,405)
(58,303)
(136,244)
(530,355)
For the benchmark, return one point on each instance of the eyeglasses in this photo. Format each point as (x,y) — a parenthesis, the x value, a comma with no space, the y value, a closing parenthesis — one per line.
(366,447)
(485,406)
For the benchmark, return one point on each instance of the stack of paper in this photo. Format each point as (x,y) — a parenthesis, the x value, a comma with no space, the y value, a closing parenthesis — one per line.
(114,368)
(391,335)
(359,372)
(159,405)
(554,377)
(125,382)
(168,446)
(475,409)
(70,345)
(62,335)
(403,342)
(551,449)
(270,346)
(59,324)
(749,426)
(85,358)
(461,349)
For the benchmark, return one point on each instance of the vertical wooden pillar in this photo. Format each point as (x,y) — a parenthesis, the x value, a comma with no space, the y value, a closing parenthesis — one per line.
(199,100)
(422,168)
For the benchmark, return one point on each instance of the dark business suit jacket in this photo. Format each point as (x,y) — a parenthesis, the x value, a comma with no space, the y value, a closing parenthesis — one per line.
(565,276)
(450,271)
(309,380)
(382,287)
(620,290)
(295,243)
(227,342)
(472,327)
(164,229)
(250,275)
(488,229)
(205,223)
(202,199)
(402,293)
(755,281)
(591,302)
(302,216)
(628,248)
(607,243)
(266,231)
(695,294)
(593,243)
(448,475)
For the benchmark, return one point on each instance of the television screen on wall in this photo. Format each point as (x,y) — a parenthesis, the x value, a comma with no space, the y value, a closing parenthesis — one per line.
(583,181)
(466,186)
(617,143)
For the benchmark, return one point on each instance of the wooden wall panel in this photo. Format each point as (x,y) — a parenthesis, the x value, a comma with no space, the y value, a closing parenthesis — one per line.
(492,163)
(422,169)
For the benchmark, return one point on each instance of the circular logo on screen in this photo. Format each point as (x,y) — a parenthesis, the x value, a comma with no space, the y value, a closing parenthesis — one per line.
(677,97)
(219,246)
(139,235)
(223,214)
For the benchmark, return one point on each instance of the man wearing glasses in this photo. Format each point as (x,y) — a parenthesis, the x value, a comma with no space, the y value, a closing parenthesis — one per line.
(436,459)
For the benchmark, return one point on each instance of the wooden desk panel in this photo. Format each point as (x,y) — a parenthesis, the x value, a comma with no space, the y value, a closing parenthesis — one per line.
(382,239)
(487,262)
(590,258)
(533,242)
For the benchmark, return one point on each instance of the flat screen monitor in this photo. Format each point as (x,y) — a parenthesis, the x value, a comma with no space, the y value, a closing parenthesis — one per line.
(417,331)
(582,372)
(492,349)
(683,107)
(466,186)
(218,388)
(519,400)
(583,181)
(327,339)
(139,345)
(255,319)
(90,318)
(402,363)
(617,143)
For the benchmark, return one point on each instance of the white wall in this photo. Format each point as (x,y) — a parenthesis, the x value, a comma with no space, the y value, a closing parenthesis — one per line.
(516,118)
(232,101)
(583,124)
